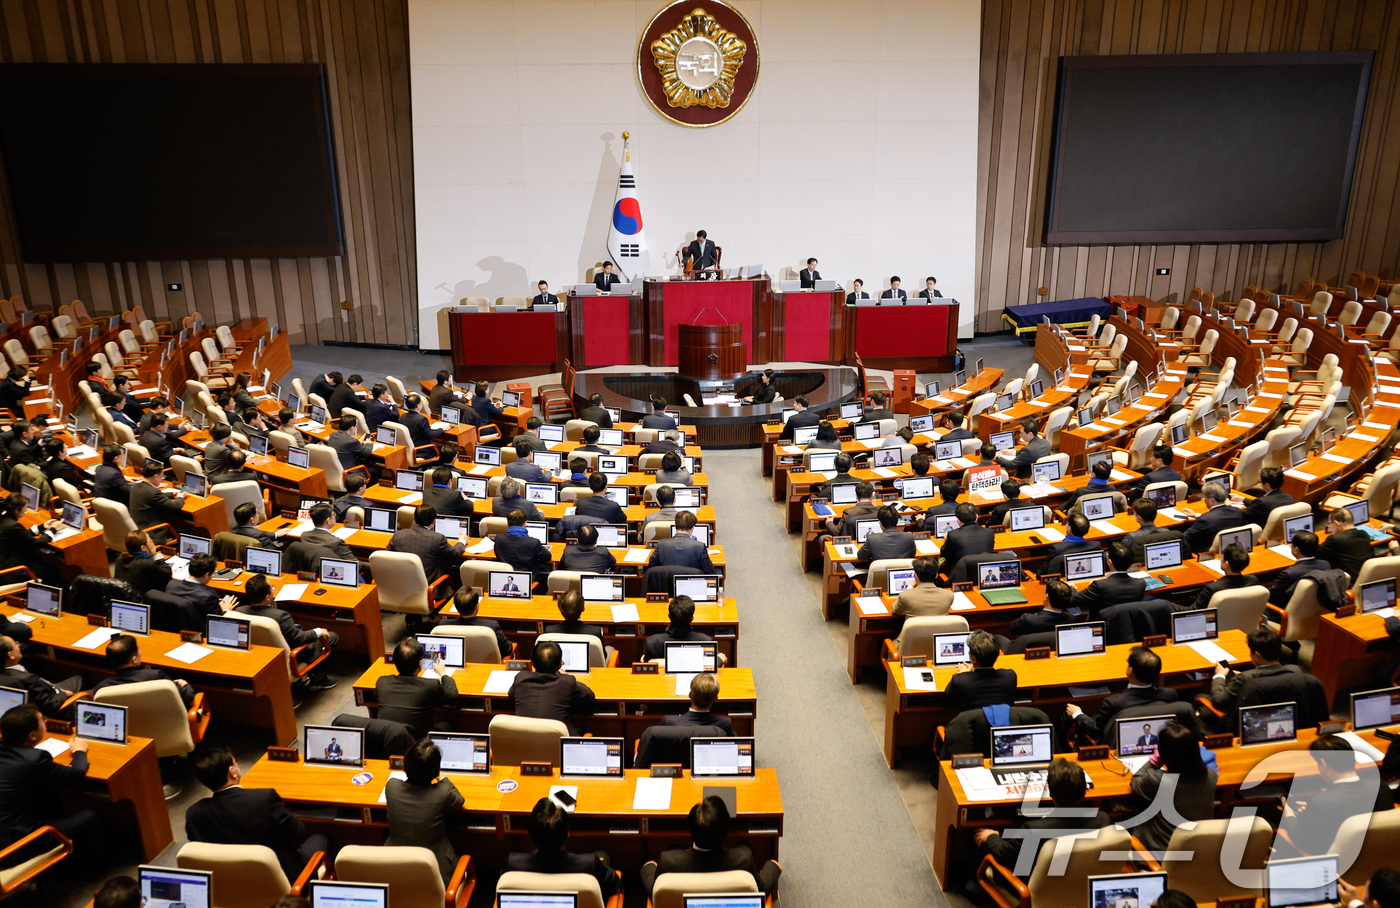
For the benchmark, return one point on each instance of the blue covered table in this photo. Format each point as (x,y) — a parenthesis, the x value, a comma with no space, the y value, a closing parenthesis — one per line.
(1070,313)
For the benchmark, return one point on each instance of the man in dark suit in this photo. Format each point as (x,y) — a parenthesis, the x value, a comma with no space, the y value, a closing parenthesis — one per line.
(1346,547)
(1343,796)
(321,533)
(1304,547)
(159,406)
(809,275)
(546,693)
(549,831)
(441,495)
(108,480)
(605,279)
(1055,611)
(1233,561)
(1067,784)
(890,542)
(704,691)
(124,657)
(247,816)
(245,518)
(1267,682)
(878,410)
(544,297)
(578,474)
(523,467)
(1220,516)
(680,630)
(323,385)
(419,429)
(709,827)
(517,548)
(197,589)
(410,698)
(930,290)
(442,393)
(438,554)
(1033,447)
(844,524)
(701,252)
(1116,588)
(1147,738)
(510,497)
(150,506)
(346,394)
(139,566)
(1076,528)
(354,486)
(155,442)
(380,408)
(32,786)
(571,606)
(349,450)
(952,421)
(466,603)
(1144,671)
(894,293)
(257,600)
(668,442)
(657,418)
(948,491)
(1258,510)
(856,293)
(1011,491)
(595,412)
(216,452)
(590,445)
(967,539)
(801,417)
(23,446)
(682,549)
(980,683)
(1161,471)
(44,694)
(600,506)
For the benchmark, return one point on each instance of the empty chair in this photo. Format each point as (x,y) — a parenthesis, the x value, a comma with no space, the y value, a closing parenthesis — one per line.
(916,637)
(474,572)
(597,658)
(516,738)
(1377,326)
(414,879)
(245,876)
(1351,313)
(17,876)
(63,327)
(39,337)
(1298,621)
(1265,322)
(1297,354)
(1321,302)
(1201,355)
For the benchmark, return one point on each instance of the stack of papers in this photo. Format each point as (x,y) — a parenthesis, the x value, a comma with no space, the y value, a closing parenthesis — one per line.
(189,653)
(481,547)
(961,603)
(97,638)
(52,746)
(1299,474)
(626,611)
(1215,438)
(1040,489)
(1119,476)
(914,679)
(992,494)
(926,547)
(962,463)
(1106,526)
(1209,649)
(291,592)
(1213,566)
(884,472)
(1337,458)
(499,682)
(344,532)
(636,556)
(871,605)
(1050,534)
(411,498)
(1283,550)
(792,449)
(480,469)
(652,794)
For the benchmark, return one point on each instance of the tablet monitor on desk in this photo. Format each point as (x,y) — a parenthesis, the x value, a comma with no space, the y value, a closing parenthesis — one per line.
(1297,525)
(1197,624)
(1375,708)
(473,486)
(43,600)
(718,757)
(601,588)
(508,584)
(916,487)
(1137,736)
(487,455)
(1268,724)
(263,561)
(1003,441)
(228,630)
(1125,889)
(1096,507)
(959,378)
(100,722)
(843,493)
(786,413)
(947,450)
(888,457)
(804,435)
(590,757)
(31,495)
(10,697)
(317,414)
(73,515)
(1241,537)
(341,573)
(257,444)
(1094,457)
(1360,512)
(897,580)
(550,434)
(691,658)
(1085,416)
(1377,595)
(1208,420)
(699,587)
(1225,479)
(611,466)
(824,462)
(998,575)
(1026,518)
(950,649)
(549,461)
(943,523)
(165,887)
(1301,881)
(1004,401)
(920,424)
(1158,556)
(1049,471)
(1020,746)
(851,410)
(723,900)
(451,650)
(130,617)
(294,402)
(408,480)
(1112,406)
(610,437)
(701,533)
(686,496)
(384,436)
(196,483)
(510,399)
(1085,566)
(381,520)
(863,431)
(329,894)
(463,752)
(1162,497)
(451,415)
(978,368)
(574,656)
(612,535)
(535,529)
(1084,639)
(617,495)
(334,745)
(541,493)
(1297,455)
(299,457)
(865,527)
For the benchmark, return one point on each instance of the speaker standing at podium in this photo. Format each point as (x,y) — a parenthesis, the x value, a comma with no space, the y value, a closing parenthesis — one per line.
(930,291)
(810,275)
(856,293)
(894,293)
(605,279)
(701,252)
(545,298)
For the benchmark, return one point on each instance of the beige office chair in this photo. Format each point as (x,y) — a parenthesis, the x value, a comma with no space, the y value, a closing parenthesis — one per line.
(263,631)
(18,877)
(596,657)
(474,573)
(411,872)
(236,493)
(515,739)
(566,495)
(245,876)
(1240,609)
(658,529)
(1321,302)
(1297,622)
(1273,526)
(565,581)
(298,387)
(1297,354)
(180,465)
(1055,423)
(916,637)
(480,642)
(492,526)
(116,523)
(281,442)
(136,453)
(1365,843)
(1083,855)
(573,429)
(226,341)
(1384,568)
(402,585)
(671,889)
(1202,877)
(362,425)
(325,459)
(396,389)
(63,327)
(207,375)
(590,894)
(649,462)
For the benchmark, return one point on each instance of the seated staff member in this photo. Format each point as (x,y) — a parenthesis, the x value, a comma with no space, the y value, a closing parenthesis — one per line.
(1114,589)
(1382,891)
(856,292)
(409,697)
(1011,491)
(438,554)
(124,656)
(668,442)
(925,599)
(701,252)
(952,423)
(441,495)
(150,505)
(571,607)
(419,429)
(980,683)
(666,498)
(442,393)
(1344,794)
(349,450)
(578,474)
(590,445)
(257,600)
(1033,447)
(585,556)
(987,453)
(1233,561)
(197,589)
(32,786)
(322,517)
(1258,510)
(1097,485)
(1218,516)
(1305,561)
(544,297)
(680,630)
(948,491)
(220,443)
(532,426)
(809,275)
(765,393)
(235,815)
(26,546)
(894,293)
(878,410)
(709,827)
(1346,548)
(235,470)
(682,549)
(843,463)
(466,603)
(1144,671)
(122,892)
(353,497)
(1161,471)
(930,290)
(547,693)
(381,409)
(549,831)
(523,467)
(1067,785)
(485,408)
(346,395)
(14,389)
(890,542)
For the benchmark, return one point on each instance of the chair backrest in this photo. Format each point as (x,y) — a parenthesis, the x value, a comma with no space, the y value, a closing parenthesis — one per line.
(1279,440)
(245,876)
(411,872)
(1203,880)
(474,572)
(403,439)
(493,526)
(155,711)
(654,530)
(480,645)
(39,337)
(596,657)
(396,389)
(590,894)
(1240,609)
(564,581)
(1082,857)
(136,453)
(1380,493)
(225,336)
(516,738)
(65,490)
(114,353)
(128,341)
(1365,843)
(1304,611)
(231,546)
(263,631)
(1169,318)
(1251,461)
(916,637)
(1378,323)
(323,457)
(1193,325)
(1056,422)
(280,442)
(1373,569)
(197,361)
(1351,313)
(15,351)
(63,327)
(649,462)
(1244,312)
(148,332)
(670,889)
(878,575)
(573,429)
(1321,302)
(1302,342)
(1094,321)
(236,493)
(298,387)
(180,465)
(116,523)
(1140,454)
(1266,320)
(1273,526)
(402,585)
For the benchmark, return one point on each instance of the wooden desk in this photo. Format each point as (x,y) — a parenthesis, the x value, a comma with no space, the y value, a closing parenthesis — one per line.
(352,613)
(130,778)
(493,824)
(251,687)
(83,552)
(961,397)
(1348,650)
(910,715)
(627,704)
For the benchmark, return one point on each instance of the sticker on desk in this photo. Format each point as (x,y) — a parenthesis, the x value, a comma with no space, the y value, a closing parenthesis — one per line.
(506,786)
(871,605)
(189,653)
(626,611)
(291,592)
(961,603)
(363,778)
(920,679)
(499,682)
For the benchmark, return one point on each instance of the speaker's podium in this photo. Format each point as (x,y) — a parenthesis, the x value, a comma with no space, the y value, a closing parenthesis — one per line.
(712,351)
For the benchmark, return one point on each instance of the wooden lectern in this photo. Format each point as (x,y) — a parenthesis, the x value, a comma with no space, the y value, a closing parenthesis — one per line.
(712,351)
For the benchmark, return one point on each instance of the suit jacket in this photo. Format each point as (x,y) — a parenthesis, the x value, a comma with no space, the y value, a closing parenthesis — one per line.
(1327,810)
(598,415)
(248,816)
(438,554)
(702,253)
(1269,684)
(439,395)
(688,860)
(1114,589)
(525,471)
(1166,474)
(534,440)
(958,434)
(589,559)
(349,450)
(809,277)
(30,783)
(140,673)
(410,699)
(1020,465)
(1040,622)
(42,694)
(149,505)
(342,397)
(418,816)
(1194,800)
(142,572)
(205,598)
(215,456)
(662,446)
(23,451)
(377,412)
(343,505)
(982,687)
(12,396)
(937,294)
(501,507)
(1346,551)
(1202,532)
(1117,703)
(655,646)
(524,553)
(576,627)
(321,387)
(800,419)
(970,539)
(861,510)
(924,600)
(593,863)
(449,502)
(886,544)
(674,478)
(764,394)
(502,642)
(158,445)
(485,410)
(542,696)
(244,475)
(1228,582)
(894,294)
(1007,849)
(1288,578)
(708,720)
(294,635)
(329,540)
(853,296)
(263,538)
(1260,508)
(1055,559)
(604,509)
(543,299)
(419,429)
(109,483)
(604,281)
(682,551)
(876,414)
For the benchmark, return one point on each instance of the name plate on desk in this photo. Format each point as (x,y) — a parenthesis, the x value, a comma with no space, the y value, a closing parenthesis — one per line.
(396,763)
(536,768)
(283,755)
(657,597)
(513,665)
(1093,752)
(1331,728)
(915,661)
(1221,741)
(665,770)
(1346,611)
(1154,640)
(1239,901)
(97,620)
(964,587)
(1037,652)
(191,637)
(546,307)
(967,761)
(58,727)
(646,668)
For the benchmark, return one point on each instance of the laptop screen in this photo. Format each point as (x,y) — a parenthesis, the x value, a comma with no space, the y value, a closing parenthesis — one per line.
(1138,735)
(617,495)
(535,529)
(610,437)
(1360,512)
(328,894)
(317,414)
(462,752)
(10,697)
(299,457)
(381,520)
(1378,594)
(1022,745)
(452,415)
(164,887)
(822,463)
(1094,457)
(1079,639)
(805,435)
(1097,507)
(843,493)
(865,527)
(944,523)
(851,410)
(257,444)
(1005,400)
(551,434)
(1180,432)
(408,480)
(541,493)
(487,455)
(195,483)
(227,631)
(921,424)
(1301,881)
(1297,525)
(601,588)
(710,757)
(46,600)
(1375,708)
(508,584)
(1269,723)
(687,658)
(472,486)
(334,745)
(611,535)
(1027,518)
(997,575)
(1297,454)
(450,650)
(595,757)
(1084,416)
(1049,471)
(950,649)
(130,617)
(340,573)
(1126,889)
(384,436)
(1242,537)
(548,461)
(916,487)
(1085,565)
(31,495)
(686,496)
(510,398)
(451,527)
(101,722)
(1161,555)
(947,450)
(959,378)
(863,431)
(263,561)
(729,900)
(699,587)
(1199,624)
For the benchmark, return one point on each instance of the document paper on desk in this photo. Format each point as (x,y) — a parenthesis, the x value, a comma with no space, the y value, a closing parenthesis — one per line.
(636,556)
(97,638)
(1213,565)
(913,679)
(396,774)
(480,469)
(1209,649)
(961,603)
(1107,527)
(925,547)
(652,794)
(625,611)
(683,684)
(52,746)
(870,605)
(1283,550)
(189,653)
(884,473)
(499,682)
(979,784)
(291,592)
(481,547)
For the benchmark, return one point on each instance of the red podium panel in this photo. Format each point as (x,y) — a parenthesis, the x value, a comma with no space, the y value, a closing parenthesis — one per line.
(672,303)
(809,326)
(916,337)
(606,341)
(497,345)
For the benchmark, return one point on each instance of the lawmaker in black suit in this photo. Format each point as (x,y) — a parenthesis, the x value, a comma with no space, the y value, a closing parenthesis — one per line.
(894,293)
(680,630)
(1233,560)
(547,693)
(1220,516)
(519,549)
(108,480)
(594,412)
(1343,796)
(354,486)
(409,697)
(438,553)
(704,691)
(1269,681)
(46,695)
(346,394)
(549,831)
(1066,782)
(323,521)
(1114,589)
(571,606)
(510,497)
(657,418)
(890,542)
(155,442)
(245,518)
(1346,547)
(419,806)
(1161,471)
(967,539)
(1055,611)
(980,683)
(32,784)
(442,496)
(139,566)
(809,275)
(709,827)
(247,816)
(197,589)
(856,293)
(1258,510)
(1074,543)
(605,279)
(599,506)
(878,410)
(1144,671)
(124,657)
(682,549)
(216,451)
(800,418)
(952,423)
(930,290)
(149,505)
(349,450)
(380,408)
(467,603)
(544,297)
(257,600)
(419,429)
(23,446)
(701,252)
(14,389)
(1304,548)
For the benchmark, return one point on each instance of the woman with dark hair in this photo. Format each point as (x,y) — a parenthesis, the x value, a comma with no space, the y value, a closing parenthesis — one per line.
(420,805)
(14,389)
(21,546)
(1178,763)
(242,397)
(826,438)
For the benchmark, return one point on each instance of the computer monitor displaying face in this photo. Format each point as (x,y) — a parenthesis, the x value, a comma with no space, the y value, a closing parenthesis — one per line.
(1022,745)
(947,450)
(1097,507)
(995,575)
(1084,566)
(1270,723)
(943,524)
(1137,736)
(1241,537)
(1131,890)
(340,573)
(865,527)
(334,745)
(950,649)
(508,584)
